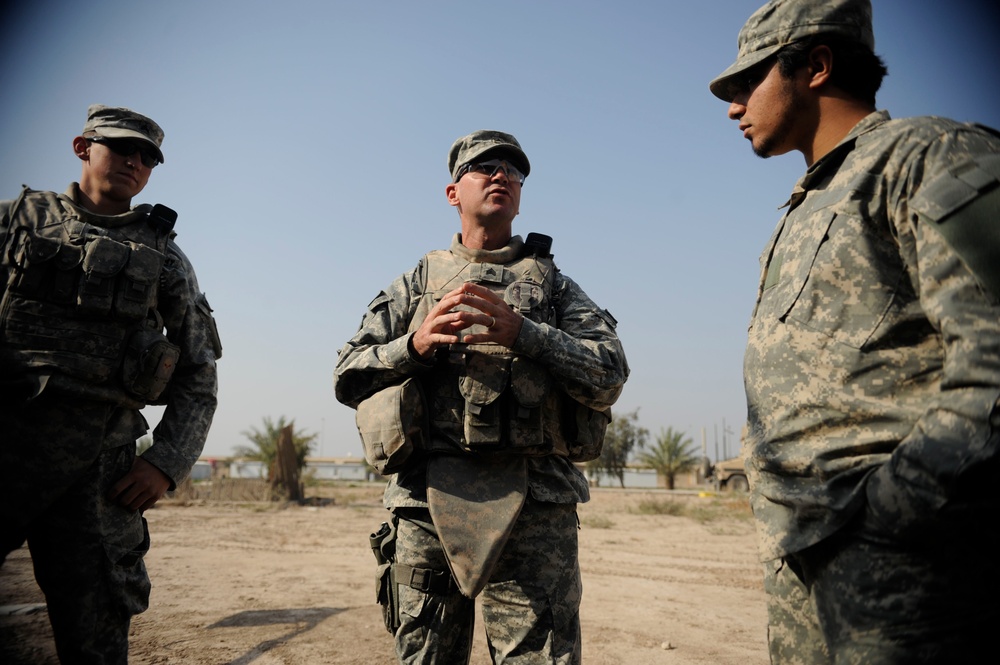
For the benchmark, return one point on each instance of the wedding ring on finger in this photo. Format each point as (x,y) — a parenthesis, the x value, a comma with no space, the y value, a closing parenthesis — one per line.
(493,322)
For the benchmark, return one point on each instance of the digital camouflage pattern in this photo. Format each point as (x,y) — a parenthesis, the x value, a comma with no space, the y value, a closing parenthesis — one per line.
(65,446)
(582,355)
(583,358)
(873,362)
(481,143)
(474,503)
(539,569)
(870,598)
(782,22)
(63,455)
(116,122)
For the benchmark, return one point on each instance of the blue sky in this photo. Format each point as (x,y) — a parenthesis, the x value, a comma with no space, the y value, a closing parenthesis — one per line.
(306,146)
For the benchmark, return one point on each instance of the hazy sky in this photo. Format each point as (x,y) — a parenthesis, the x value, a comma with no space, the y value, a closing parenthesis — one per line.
(306,149)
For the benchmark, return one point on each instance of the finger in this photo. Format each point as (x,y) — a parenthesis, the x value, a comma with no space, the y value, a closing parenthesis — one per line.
(481,292)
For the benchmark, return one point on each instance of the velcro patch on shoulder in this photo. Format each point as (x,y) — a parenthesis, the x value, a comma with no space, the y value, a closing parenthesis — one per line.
(957,187)
(964,204)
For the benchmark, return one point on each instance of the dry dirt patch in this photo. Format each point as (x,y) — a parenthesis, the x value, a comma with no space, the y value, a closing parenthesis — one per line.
(667,579)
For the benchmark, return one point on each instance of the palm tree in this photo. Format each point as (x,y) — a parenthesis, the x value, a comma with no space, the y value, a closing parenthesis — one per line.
(672,455)
(265,443)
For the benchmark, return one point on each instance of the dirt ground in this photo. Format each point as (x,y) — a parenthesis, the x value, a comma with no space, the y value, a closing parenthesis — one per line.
(668,578)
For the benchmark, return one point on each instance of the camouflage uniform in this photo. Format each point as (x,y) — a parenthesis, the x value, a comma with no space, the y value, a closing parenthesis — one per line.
(538,568)
(872,375)
(65,442)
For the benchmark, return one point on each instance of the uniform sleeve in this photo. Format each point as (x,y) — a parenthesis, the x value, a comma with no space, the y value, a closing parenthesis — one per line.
(583,352)
(191,395)
(942,473)
(379,354)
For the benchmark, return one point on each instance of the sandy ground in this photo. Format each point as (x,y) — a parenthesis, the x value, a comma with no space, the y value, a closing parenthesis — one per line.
(668,578)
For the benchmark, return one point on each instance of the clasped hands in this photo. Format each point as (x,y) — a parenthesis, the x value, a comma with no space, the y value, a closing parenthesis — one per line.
(444,324)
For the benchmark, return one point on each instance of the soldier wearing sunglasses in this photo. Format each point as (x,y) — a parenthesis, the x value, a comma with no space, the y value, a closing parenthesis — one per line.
(479,378)
(101,314)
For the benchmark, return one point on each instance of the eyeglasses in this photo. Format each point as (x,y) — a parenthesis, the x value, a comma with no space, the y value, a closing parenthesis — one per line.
(490,168)
(127,148)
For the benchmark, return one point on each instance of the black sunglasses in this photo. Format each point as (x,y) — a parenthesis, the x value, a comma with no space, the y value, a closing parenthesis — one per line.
(127,148)
(489,169)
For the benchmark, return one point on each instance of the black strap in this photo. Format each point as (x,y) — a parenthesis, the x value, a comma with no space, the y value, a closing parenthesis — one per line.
(424,579)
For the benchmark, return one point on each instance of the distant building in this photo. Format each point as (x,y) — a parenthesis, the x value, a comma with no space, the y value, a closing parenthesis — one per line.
(337,468)
(634,477)
(320,468)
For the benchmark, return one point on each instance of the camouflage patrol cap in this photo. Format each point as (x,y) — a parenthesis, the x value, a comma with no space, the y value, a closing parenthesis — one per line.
(782,22)
(480,143)
(116,122)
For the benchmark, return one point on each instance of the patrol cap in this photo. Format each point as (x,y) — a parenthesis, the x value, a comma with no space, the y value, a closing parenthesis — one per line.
(480,143)
(782,22)
(116,122)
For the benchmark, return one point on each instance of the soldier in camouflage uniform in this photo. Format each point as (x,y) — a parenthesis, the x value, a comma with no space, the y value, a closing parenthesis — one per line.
(516,368)
(873,364)
(89,285)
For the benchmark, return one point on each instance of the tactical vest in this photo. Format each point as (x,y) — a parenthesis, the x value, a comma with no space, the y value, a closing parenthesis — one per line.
(484,397)
(80,299)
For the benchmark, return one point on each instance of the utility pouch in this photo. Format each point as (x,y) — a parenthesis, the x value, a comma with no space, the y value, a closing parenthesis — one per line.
(65,281)
(103,261)
(487,376)
(584,429)
(393,424)
(32,261)
(150,360)
(135,294)
(529,385)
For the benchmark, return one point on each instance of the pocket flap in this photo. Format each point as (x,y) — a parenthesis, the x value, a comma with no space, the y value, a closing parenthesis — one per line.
(105,257)
(143,264)
(486,377)
(529,382)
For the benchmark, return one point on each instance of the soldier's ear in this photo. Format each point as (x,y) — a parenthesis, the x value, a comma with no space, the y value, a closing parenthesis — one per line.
(81,148)
(820,66)
(451,191)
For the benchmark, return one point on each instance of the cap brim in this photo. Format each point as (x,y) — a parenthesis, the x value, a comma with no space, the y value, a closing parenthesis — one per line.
(720,84)
(517,156)
(121,133)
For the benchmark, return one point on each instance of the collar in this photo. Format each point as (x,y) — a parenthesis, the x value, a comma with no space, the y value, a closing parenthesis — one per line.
(869,123)
(510,252)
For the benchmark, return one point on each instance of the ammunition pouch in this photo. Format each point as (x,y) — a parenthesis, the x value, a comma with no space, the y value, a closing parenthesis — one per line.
(393,424)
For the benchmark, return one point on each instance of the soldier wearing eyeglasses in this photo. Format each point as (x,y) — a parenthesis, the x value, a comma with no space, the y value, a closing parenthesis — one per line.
(480,377)
(101,315)
(872,367)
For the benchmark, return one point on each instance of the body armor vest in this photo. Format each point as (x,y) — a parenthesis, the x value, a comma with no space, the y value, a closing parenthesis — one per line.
(484,397)
(79,295)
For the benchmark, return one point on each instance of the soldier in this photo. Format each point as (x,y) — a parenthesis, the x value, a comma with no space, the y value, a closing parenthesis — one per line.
(873,364)
(89,285)
(479,377)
